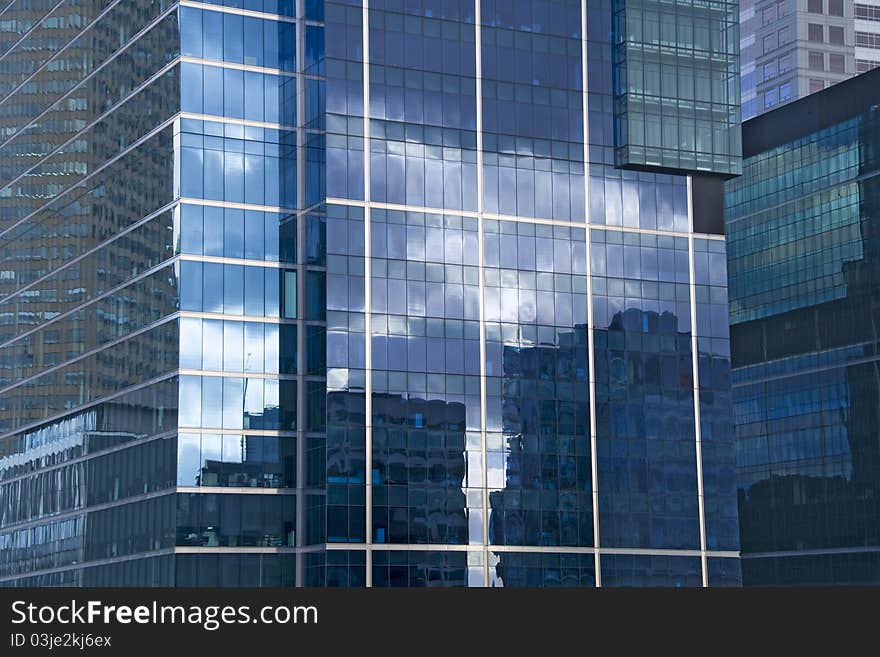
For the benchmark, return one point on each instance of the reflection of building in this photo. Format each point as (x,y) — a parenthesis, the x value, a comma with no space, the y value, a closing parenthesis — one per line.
(419,469)
(92,233)
(805,336)
(419,474)
(547,494)
(546,446)
(125,432)
(530,417)
(258,463)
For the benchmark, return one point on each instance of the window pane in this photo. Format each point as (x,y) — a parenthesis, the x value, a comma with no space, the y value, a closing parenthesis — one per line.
(785,91)
(290,294)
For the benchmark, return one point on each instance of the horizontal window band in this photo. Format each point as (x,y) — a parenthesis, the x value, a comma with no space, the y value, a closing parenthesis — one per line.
(232,205)
(83,407)
(249,12)
(261,433)
(194,314)
(113,56)
(219,63)
(169,319)
(796,373)
(134,499)
(234,490)
(67,313)
(231,121)
(36,26)
(227,374)
(540,549)
(91,564)
(124,231)
(79,134)
(819,552)
(168,123)
(514,218)
(90,456)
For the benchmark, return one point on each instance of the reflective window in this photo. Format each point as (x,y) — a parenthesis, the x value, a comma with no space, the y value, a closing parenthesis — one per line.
(290,292)
(632,570)
(227,520)
(650,133)
(804,395)
(236,461)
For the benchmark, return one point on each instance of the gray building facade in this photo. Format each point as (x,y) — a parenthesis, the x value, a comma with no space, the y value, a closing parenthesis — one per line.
(792,48)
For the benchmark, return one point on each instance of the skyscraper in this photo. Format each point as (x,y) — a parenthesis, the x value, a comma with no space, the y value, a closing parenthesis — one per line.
(867,35)
(792,48)
(802,227)
(380,293)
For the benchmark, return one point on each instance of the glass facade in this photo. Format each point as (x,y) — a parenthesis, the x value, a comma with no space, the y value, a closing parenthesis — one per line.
(676,85)
(352,293)
(803,254)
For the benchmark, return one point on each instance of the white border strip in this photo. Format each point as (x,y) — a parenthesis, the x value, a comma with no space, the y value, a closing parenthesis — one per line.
(204,6)
(368,343)
(591,356)
(478,72)
(695,363)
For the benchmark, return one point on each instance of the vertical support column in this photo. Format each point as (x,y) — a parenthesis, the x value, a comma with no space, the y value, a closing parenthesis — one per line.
(696,373)
(368,346)
(594,476)
(478,41)
(300,291)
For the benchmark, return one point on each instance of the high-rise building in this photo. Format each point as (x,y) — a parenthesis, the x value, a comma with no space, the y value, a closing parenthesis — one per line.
(803,237)
(792,48)
(867,35)
(374,292)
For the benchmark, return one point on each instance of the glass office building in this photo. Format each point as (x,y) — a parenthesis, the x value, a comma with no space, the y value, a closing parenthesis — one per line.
(353,294)
(804,265)
(676,85)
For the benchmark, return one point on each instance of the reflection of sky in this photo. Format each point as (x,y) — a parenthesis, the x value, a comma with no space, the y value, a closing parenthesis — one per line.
(228,402)
(194,451)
